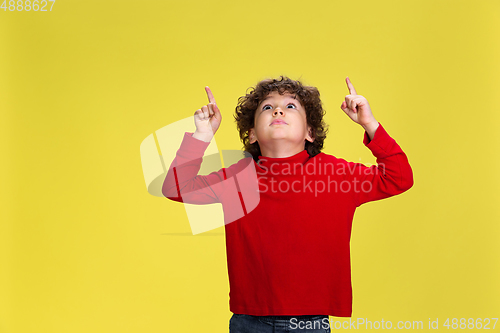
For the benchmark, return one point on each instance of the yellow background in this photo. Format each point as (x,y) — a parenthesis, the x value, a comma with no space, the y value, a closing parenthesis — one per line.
(85,248)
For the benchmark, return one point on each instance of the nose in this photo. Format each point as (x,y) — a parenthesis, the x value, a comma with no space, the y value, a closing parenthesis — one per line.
(278,111)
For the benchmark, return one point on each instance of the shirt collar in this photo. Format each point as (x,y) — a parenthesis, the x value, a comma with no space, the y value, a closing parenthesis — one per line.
(280,163)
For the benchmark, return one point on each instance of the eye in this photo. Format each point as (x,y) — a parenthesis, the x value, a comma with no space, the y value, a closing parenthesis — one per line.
(291,105)
(265,106)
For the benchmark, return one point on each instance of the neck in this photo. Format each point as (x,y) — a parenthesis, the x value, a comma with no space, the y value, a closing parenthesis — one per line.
(281,151)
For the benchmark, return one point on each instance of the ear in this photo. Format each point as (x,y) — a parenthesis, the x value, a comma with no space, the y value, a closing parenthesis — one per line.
(309,136)
(251,135)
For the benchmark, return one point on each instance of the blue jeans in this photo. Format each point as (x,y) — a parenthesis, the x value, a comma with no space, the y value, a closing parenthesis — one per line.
(240,323)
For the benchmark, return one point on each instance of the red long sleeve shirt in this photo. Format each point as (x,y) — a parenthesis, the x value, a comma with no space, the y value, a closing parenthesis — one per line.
(288,221)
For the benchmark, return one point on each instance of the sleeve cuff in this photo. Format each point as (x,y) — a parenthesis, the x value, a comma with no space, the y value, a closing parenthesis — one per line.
(381,143)
(192,147)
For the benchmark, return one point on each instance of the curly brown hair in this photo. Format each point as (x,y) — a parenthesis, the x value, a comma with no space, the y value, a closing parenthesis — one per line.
(308,97)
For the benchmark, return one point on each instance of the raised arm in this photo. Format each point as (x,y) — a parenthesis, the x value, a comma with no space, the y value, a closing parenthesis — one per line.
(182,182)
(393,174)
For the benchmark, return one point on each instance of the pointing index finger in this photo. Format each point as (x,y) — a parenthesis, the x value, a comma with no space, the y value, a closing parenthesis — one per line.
(211,98)
(352,91)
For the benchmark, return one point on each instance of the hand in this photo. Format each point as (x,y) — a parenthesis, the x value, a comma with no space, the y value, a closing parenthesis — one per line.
(357,107)
(207,119)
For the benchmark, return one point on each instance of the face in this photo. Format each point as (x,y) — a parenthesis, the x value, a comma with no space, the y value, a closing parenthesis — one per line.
(280,117)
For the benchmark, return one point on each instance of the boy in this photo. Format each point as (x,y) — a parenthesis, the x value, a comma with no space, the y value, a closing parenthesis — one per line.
(288,257)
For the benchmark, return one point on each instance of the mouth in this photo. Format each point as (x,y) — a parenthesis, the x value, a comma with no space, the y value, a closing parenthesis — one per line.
(278,122)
